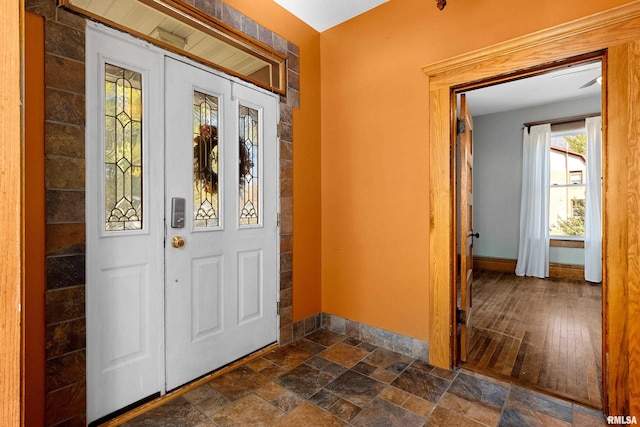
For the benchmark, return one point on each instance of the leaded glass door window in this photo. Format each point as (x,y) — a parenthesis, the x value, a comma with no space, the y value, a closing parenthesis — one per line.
(123,149)
(249,161)
(206,170)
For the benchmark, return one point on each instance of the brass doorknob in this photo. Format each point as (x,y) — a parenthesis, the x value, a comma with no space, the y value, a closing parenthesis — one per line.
(177,242)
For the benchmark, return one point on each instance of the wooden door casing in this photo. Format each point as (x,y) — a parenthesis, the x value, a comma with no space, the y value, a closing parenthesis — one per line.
(610,35)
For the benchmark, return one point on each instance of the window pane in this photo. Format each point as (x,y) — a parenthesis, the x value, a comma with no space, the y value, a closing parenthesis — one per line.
(567,159)
(249,161)
(205,161)
(123,149)
(566,210)
(567,195)
(575,177)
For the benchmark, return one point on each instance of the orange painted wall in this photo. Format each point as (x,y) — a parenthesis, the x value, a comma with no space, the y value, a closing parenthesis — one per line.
(306,151)
(361,211)
(375,202)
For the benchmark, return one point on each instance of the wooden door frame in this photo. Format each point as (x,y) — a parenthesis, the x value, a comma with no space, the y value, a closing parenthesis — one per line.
(457,184)
(613,31)
(12,226)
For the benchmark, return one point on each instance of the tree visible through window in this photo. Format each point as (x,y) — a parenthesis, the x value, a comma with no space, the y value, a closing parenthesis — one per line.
(567,193)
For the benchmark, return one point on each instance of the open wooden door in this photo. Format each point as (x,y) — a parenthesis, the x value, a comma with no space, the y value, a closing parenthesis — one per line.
(465,131)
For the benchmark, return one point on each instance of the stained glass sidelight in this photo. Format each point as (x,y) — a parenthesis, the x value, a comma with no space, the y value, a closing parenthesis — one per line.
(123,149)
(249,162)
(205,160)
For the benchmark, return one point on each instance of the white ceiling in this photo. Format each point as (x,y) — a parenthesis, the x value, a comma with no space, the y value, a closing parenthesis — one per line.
(324,14)
(555,86)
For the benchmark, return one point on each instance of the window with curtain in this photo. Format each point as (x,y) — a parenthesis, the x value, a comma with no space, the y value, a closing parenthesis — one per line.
(561,194)
(567,186)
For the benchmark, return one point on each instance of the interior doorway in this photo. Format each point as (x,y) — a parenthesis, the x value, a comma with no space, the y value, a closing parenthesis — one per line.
(544,334)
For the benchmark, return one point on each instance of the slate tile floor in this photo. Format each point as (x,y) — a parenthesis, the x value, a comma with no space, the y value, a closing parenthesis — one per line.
(328,379)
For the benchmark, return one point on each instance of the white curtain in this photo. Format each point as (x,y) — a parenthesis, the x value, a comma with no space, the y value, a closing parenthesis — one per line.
(533,250)
(593,209)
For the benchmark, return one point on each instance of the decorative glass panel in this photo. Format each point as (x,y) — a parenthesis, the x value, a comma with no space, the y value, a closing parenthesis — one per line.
(249,161)
(123,149)
(205,161)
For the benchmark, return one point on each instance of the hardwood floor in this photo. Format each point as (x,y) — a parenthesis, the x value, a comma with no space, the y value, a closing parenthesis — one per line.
(546,334)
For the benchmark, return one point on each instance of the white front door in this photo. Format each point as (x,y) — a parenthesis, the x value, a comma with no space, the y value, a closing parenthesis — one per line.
(221,202)
(159,316)
(124,222)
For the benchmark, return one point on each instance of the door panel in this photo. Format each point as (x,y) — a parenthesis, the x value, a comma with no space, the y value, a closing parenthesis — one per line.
(206,297)
(221,286)
(250,285)
(124,295)
(466,227)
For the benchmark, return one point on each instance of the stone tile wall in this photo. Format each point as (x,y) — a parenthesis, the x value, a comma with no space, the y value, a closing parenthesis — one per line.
(65,210)
(65,196)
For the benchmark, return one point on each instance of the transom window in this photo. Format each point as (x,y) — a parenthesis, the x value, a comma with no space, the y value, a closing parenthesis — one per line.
(178,26)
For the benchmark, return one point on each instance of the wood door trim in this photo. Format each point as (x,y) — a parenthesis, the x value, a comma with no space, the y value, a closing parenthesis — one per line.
(12,226)
(573,38)
(528,55)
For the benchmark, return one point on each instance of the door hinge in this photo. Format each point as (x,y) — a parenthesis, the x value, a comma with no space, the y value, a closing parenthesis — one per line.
(278,308)
(278,220)
(460,126)
(461,316)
